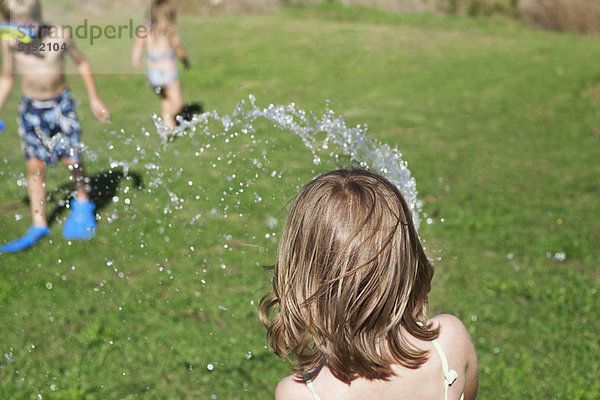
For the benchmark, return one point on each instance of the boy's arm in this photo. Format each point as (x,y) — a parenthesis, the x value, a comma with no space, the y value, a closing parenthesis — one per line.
(85,70)
(136,52)
(7,79)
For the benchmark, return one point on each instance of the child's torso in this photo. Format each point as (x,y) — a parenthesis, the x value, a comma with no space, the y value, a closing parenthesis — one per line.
(40,64)
(160,52)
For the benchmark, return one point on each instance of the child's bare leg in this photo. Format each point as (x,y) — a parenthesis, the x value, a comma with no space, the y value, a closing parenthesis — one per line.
(36,170)
(78,176)
(36,189)
(167,118)
(171,103)
(81,223)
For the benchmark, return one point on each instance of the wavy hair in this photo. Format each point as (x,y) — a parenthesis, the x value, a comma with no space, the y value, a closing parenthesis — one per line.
(351,278)
(163,16)
(21,10)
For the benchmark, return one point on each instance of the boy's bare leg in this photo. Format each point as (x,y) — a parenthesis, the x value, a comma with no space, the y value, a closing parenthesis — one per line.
(36,190)
(81,223)
(36,170)
(78,176)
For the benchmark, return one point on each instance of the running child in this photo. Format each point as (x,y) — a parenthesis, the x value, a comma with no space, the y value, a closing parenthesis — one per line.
(349,300)
(48,123)
(162,45)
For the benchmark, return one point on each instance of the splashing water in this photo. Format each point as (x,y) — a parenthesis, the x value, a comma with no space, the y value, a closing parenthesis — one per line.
(195,189)
(239,157)
(327,132)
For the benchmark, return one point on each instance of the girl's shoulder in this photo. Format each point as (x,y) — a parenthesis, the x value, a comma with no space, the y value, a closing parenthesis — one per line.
(458,347)
(453,333)
(292,387)
(448,323)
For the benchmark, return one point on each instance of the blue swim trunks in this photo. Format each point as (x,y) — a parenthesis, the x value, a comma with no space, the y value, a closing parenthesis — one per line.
(49,129)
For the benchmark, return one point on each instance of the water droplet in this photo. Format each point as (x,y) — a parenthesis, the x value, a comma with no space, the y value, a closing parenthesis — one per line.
(272,222)
(560,256)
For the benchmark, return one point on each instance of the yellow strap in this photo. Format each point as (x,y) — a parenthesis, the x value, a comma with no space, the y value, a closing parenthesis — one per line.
(310,386)
(450,375)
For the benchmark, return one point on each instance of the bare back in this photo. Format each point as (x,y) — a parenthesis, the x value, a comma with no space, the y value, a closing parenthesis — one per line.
(156,41)
(160,45)
(424,383)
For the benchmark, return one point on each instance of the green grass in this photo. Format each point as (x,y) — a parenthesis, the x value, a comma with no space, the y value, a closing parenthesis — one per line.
(492,119)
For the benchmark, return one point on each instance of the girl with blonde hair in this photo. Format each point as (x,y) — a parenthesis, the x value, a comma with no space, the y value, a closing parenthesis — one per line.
(349,300)
(162,44)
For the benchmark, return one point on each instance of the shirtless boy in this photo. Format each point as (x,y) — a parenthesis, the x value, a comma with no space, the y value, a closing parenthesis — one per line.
(48,123)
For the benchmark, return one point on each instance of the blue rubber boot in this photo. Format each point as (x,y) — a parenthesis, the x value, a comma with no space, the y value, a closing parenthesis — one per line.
(33,235)
(81,224)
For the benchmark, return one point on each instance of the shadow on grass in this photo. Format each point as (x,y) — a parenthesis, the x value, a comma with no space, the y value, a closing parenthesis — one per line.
(103,187)
(189,110)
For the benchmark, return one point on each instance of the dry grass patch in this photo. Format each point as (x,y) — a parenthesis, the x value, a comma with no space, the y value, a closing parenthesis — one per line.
(592,93)
(581,16)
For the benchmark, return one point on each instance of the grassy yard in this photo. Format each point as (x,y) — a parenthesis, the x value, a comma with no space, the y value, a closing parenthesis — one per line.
(499,125)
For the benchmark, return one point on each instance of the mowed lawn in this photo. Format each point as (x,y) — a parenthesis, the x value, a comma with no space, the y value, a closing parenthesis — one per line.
(499,124)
